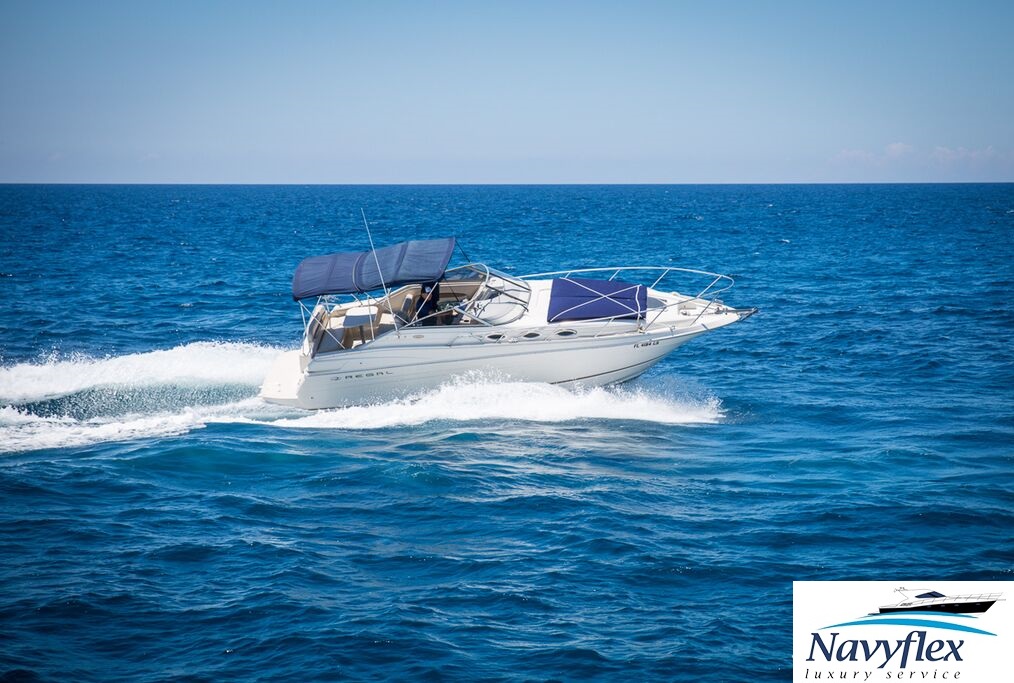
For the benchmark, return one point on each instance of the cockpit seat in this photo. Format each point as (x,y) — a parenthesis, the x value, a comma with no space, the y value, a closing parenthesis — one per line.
(407,310)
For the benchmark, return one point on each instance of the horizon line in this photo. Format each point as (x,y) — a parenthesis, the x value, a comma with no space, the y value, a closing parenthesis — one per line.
(506,184)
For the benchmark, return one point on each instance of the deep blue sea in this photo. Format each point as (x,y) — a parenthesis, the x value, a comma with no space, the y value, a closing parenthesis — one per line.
(159,522)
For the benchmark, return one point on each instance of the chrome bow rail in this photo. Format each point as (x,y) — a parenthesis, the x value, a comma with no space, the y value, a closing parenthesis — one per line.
(665,272)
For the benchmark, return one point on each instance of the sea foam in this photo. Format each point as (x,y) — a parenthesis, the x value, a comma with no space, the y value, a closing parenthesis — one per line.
(199,363)
(476,397)
(80,401)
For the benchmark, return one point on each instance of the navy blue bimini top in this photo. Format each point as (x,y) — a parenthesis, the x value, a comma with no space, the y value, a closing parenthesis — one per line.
(356,272)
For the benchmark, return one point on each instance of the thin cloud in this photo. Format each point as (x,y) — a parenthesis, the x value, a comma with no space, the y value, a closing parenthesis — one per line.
(900,161)
(898,150)
(960,155)
(855,155)
(893,152)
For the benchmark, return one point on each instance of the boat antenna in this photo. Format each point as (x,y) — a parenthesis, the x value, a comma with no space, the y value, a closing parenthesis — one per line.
(369,235)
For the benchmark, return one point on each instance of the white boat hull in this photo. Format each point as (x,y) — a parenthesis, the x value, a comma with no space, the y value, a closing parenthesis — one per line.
(354,377)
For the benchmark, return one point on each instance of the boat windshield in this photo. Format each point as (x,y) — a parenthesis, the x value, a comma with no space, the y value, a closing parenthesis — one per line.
(477,294)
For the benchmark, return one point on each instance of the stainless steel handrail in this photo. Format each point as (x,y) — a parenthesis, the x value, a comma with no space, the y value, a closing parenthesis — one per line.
(955,598)
(666,270)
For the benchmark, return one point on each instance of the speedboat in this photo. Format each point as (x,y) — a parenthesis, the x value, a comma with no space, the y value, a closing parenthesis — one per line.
(395,320)
(934,601)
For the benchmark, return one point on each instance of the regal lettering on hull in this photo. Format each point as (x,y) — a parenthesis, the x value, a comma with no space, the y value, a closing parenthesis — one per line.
(362,375)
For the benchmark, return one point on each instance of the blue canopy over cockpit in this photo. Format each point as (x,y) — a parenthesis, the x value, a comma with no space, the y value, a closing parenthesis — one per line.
(406,263)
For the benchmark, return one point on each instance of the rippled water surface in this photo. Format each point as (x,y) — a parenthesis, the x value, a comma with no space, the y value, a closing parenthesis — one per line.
(159,521)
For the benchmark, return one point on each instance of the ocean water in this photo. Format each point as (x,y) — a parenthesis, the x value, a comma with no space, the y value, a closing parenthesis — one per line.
(159,522)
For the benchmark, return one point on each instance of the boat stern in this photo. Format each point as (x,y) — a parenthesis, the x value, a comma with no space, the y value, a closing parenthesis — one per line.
(282,383)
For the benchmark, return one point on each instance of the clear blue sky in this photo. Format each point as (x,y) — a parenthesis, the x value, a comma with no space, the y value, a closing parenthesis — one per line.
(528,92)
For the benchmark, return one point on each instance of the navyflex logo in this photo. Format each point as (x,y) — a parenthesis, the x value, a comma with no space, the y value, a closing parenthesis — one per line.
(948,632)
(863,650)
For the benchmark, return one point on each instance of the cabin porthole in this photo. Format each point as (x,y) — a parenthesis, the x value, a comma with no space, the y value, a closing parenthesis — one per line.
(531,335)
(566,333)
(494,337)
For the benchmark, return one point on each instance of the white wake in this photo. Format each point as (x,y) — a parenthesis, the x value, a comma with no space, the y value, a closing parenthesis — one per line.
(476,398)
(200,363)
(80,401)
